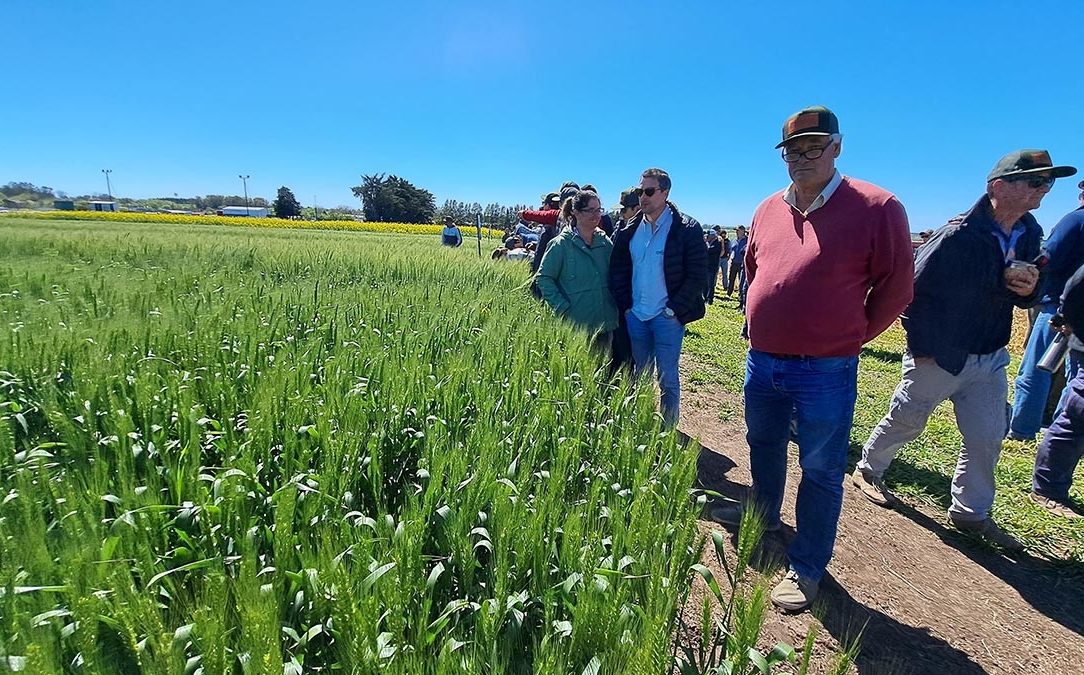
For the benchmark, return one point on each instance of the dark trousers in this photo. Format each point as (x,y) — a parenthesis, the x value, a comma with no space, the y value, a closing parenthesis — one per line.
(713,276)
(737,266)
(621,348)
(1062,445)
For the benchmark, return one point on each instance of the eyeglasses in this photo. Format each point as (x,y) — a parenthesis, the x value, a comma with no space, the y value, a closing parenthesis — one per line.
(650,192)
(593,212)
(1034,182)
(791,156)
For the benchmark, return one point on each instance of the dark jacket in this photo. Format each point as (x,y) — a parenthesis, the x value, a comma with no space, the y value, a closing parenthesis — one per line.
(715,251)
(961,304)
(684,260)
(1072,308)
(1065,250)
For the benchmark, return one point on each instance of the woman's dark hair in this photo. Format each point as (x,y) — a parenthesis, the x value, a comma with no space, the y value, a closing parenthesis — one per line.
(577,202)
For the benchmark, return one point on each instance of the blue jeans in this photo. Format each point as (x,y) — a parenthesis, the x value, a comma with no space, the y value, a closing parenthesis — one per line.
(1063,444)
(656,345)
(1033,384)
(821,393)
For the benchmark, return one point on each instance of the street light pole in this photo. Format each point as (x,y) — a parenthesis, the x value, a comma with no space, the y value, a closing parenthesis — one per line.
(108,187)
(244,180)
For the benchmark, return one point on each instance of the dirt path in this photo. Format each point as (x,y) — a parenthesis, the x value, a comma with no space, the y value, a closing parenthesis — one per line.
(932,600)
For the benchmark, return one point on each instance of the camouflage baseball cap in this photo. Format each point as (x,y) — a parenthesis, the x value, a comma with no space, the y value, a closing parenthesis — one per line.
(1027,162)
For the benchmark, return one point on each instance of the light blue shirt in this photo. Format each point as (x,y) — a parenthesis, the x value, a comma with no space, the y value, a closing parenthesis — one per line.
(648,278)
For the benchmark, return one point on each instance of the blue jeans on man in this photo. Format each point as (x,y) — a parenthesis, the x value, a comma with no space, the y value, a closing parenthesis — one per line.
(821,393)
(656,345)
(1032,385)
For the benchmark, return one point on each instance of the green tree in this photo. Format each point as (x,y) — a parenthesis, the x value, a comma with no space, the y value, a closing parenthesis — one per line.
(394,200)
(285,204)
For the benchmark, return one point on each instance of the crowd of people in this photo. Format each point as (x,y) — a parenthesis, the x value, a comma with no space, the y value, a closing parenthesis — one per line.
(827,264)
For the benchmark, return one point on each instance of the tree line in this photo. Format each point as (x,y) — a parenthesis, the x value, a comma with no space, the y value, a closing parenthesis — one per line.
(384,198)
(396,200)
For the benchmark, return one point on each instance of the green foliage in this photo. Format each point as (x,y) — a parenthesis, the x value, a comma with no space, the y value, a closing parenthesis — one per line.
(299,451)
(732,615)
(285,204)
(394,200)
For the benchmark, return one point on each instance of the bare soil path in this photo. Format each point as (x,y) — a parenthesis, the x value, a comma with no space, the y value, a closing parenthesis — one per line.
(927,598)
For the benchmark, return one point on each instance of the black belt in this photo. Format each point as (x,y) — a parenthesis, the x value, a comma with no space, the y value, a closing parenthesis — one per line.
(788,357)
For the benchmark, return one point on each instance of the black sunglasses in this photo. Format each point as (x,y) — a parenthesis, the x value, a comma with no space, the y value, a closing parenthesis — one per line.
(650,192)
(1034,182)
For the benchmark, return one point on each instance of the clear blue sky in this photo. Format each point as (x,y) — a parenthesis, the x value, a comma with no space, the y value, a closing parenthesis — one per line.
(501,101)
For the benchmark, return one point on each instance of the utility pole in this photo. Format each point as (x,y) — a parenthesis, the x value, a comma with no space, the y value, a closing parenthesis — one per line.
(108,187)
(244,180)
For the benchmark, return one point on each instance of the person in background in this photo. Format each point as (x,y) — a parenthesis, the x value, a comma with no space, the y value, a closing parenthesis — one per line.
(628,207)
(829,268)
(737,261)
(725,258)
(550,219)
(1064,252)
(1063,443)
(715,251)
(575,270)
(621,356)
(451,236)
(969,277)
(657,279)
(525,232)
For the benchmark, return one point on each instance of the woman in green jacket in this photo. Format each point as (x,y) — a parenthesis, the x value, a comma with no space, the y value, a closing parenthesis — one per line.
(574,274)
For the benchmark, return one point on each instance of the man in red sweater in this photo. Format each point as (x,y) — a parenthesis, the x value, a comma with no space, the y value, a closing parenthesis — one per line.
(829,267)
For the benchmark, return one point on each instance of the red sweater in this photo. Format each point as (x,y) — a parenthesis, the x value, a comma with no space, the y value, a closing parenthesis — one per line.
(825,284)
(544,217)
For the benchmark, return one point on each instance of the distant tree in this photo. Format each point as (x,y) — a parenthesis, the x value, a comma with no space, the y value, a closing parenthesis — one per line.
(285,204)
(495,216)
(394,200)
(214,201)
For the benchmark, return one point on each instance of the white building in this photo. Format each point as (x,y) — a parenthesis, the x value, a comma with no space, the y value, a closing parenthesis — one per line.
(253,211)
(103,206)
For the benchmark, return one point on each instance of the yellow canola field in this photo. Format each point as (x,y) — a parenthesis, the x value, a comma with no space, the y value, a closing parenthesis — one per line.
(177,219)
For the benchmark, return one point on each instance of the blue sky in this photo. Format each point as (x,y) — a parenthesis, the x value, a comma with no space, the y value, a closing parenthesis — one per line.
(501,101)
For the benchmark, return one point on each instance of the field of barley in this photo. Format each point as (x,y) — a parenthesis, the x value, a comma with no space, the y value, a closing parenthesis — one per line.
(286,451)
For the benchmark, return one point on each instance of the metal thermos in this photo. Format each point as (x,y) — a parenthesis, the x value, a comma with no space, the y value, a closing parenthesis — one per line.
(1054,355)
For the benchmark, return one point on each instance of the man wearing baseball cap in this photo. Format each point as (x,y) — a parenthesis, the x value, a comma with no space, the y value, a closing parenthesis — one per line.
(829,267)
(968,278)
(627,207)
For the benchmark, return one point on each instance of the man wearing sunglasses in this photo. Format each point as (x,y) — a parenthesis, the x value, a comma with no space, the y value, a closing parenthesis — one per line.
(829,267)
(968,278)
(657,279)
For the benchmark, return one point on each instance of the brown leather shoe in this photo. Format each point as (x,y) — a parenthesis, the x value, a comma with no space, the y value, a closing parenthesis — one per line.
(1057,507)
(873,488)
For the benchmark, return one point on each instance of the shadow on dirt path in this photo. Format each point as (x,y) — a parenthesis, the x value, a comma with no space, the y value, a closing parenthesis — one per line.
(924,597)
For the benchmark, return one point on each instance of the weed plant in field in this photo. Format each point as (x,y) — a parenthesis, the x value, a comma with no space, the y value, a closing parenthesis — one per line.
(299,451)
